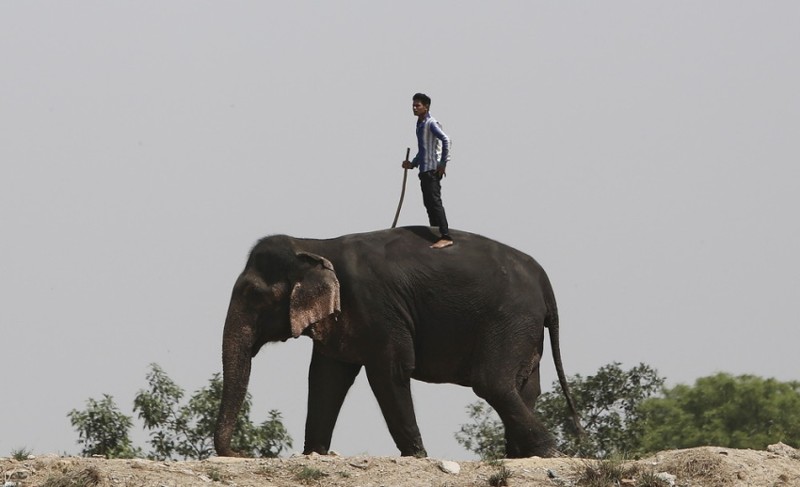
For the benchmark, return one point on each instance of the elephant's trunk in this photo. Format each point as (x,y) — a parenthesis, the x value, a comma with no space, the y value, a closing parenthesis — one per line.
(237,344)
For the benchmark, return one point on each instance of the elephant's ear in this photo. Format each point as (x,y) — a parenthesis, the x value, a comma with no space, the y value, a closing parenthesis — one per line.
(315,294)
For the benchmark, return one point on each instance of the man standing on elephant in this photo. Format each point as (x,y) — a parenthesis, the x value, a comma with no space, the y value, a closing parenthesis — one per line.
(432,157)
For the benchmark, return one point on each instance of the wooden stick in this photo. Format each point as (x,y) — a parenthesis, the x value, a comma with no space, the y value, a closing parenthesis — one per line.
(403,191)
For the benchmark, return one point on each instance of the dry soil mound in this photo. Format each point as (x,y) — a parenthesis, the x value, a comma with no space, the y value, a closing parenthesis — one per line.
(707,466)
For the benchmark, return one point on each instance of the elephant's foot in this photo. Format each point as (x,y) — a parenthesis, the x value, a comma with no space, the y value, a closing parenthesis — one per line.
(316,449)
(414,452)
(539,452)
(536,448)
(229,453)
(534,453)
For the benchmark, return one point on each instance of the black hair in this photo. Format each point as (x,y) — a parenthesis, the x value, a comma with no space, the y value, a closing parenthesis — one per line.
(423,98)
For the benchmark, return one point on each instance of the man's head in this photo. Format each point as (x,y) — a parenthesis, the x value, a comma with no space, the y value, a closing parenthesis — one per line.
(421,105)
(422,98)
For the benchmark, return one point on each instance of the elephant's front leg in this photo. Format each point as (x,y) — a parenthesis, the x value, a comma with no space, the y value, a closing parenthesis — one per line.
(328,383)
(391,384)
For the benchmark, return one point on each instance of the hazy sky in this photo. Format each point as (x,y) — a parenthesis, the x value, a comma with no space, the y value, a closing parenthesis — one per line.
(645,153)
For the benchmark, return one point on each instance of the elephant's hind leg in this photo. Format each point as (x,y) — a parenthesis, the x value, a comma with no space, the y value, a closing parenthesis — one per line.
(509,382)
(526,436)
(531,389)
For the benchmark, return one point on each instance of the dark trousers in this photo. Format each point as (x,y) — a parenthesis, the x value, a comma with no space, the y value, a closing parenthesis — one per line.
(431,184)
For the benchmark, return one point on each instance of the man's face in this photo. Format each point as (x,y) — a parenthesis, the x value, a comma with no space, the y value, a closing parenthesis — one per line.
(420,110)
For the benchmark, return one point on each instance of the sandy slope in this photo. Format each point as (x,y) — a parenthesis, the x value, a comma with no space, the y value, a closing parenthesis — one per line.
(707,466)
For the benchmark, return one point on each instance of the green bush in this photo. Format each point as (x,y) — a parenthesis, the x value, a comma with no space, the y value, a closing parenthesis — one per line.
(609,403)
(103,429)
(188,431)
(723,410)
(176,430)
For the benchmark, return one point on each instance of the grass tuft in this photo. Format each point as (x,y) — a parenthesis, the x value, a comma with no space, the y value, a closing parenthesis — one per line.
(309,474)
(88,477)
(500,478)
(214,474)
(20,454)
(602,473)
(650,479)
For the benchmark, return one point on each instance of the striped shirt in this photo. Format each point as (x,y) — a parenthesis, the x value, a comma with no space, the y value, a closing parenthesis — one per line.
(433,145)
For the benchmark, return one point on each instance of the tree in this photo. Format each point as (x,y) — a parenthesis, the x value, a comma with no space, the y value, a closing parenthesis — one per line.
(722,410)
(170,427)
(188,431)
(609,404)
(269,439)
(103,429)
(176,430)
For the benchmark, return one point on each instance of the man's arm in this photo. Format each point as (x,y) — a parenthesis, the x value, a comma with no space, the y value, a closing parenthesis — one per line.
(415,161)
(437,132)
(412,163)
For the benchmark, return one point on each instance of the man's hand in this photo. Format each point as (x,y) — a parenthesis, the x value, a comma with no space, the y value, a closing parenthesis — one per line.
(407,165)
(441,171)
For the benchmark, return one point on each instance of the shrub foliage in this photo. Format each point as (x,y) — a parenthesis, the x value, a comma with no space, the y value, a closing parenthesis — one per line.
(723,410)
(176,430)
(103,429)
(610,405)
(629,412)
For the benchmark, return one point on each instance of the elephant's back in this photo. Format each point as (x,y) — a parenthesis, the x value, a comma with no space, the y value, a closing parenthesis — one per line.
(473,265)
(403,255)
(471,251)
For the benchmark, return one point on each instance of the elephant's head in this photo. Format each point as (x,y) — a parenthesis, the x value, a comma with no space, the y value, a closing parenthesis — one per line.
(280,293)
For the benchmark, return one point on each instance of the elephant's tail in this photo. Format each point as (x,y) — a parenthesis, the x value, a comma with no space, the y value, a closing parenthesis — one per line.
(551,322)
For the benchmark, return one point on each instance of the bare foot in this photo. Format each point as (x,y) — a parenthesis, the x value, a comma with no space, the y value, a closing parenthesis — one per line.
(442,244)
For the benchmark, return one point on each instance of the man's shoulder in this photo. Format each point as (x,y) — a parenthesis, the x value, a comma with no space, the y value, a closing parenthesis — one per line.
(430,121)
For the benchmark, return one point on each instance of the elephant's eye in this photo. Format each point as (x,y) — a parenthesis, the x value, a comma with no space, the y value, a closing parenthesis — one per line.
(277,292)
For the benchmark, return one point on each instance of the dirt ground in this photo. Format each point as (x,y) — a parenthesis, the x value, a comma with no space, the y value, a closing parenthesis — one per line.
(706,466)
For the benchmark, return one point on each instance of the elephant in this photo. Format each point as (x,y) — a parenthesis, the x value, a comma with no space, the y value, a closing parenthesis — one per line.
(473,314)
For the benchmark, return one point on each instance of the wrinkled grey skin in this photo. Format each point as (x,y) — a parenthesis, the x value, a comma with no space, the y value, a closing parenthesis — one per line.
(472,314)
